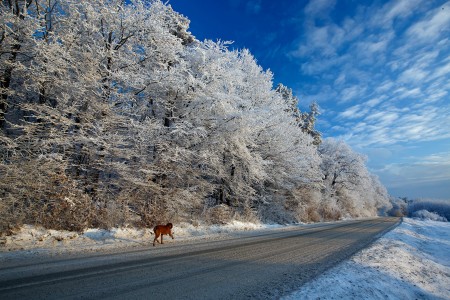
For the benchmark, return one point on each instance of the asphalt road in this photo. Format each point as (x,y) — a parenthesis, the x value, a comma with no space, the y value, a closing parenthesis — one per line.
(265,265)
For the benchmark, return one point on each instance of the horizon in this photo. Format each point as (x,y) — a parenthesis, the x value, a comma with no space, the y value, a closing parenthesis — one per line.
(379,70)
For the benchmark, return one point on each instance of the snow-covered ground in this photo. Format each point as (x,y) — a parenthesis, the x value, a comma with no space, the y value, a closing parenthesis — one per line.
(410,262)
(31,240)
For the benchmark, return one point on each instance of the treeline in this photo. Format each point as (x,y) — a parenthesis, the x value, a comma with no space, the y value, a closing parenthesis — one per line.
(112,113)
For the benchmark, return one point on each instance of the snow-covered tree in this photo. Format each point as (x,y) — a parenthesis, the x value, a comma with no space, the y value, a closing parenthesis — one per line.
(347,181)
(292,103)
(309,122)
(112,113)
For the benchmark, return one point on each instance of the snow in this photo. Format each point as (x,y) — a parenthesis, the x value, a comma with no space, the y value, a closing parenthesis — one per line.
(31,240)
(410,262)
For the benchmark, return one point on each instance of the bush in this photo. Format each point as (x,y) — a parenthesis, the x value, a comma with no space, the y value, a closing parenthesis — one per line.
(219,214)
(399,207)
(426,215)
(439,207)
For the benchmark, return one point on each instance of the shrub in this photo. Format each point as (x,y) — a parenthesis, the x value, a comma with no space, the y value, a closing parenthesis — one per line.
(426,215)
(439,207)
(219,214)
(399,207)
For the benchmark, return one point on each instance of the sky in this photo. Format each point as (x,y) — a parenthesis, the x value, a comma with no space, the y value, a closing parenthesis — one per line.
(379,70)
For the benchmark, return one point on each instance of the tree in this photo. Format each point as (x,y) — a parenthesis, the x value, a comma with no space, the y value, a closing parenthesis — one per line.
(306,121)
(114,114)
(16,48)
(348,182)
(292,103)
(309,122)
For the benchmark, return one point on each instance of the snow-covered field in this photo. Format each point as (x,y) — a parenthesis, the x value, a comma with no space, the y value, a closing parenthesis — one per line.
(410,262)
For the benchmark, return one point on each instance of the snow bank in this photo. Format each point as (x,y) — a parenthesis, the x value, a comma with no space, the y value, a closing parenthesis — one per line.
(36,240)
(188,230)
(410,262)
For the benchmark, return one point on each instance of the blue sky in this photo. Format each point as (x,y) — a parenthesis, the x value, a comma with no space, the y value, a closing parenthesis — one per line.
(379,70)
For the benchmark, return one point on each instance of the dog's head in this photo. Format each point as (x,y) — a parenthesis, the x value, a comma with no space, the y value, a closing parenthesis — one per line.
(169,225)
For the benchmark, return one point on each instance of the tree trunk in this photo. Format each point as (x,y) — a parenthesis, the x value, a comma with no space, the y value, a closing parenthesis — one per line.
(5,83)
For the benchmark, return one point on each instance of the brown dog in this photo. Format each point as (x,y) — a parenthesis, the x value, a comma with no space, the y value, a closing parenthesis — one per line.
(161,230)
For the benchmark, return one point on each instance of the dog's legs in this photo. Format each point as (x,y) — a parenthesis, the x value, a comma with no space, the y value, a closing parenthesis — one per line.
(156,238)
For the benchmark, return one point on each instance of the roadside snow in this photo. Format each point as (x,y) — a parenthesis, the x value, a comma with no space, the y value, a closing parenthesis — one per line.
(410,262)
(32,240)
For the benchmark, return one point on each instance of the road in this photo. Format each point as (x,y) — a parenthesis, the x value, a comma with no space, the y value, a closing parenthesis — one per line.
(263,265)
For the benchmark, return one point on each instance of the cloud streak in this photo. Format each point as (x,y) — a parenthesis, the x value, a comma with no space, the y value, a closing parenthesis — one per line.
(385,74)
(381,53)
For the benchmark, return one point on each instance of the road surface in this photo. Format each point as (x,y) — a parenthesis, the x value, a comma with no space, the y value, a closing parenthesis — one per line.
(263,265)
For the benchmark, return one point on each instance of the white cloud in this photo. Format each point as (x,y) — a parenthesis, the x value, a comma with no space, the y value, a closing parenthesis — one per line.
(314,67)
(394,9)
(325,39)
(319,7)
(437,158)
(435,92)
(388,127)
(340,80)
(392,88)
(434,25)
(355,112)
(413,75)
(384,86)
(418,170)
(373,47)
(375,101)
(351,93)
(408,93)
(441,71)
